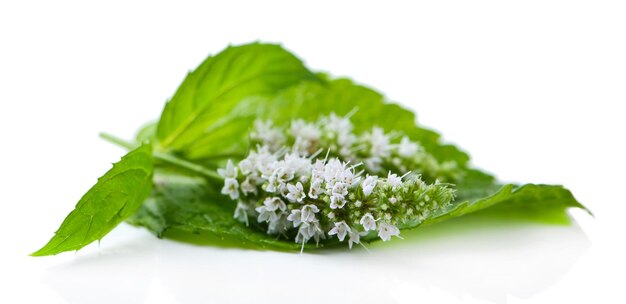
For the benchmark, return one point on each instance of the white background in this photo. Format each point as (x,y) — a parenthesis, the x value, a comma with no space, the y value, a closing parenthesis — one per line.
(532,89)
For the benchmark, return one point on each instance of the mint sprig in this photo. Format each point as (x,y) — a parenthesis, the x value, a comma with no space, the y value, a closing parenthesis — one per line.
(168,181)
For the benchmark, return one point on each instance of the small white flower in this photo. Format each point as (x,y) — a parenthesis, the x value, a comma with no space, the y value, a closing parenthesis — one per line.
(273,185)
(341,229)
(283,190)
(317,170)
(246,166)
(229,172)
(296,193)
(295,217)
(340,190)
(231,188)
(279,224)
(274,203)
(407,148)
(265,215)
(308,230)
(318,233)
(332,170)
(368,222)
(248,186)
(380,143)
(315,189)
(303,235)
(308,213)
(349,178)
(368,184)
(284,173)
(355,238)
(337,201)
(241,212)
(394,180)
(386,231)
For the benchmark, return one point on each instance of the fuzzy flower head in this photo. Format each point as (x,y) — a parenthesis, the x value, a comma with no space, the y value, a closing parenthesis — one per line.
(320,180)
(378,150)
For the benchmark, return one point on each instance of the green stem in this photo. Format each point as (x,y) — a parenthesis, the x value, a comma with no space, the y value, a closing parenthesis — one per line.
(176,161)
(167,158)
(118,141)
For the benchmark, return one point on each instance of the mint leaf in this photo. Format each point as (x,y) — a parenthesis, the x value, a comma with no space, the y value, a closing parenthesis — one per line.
(229,136)
(204,100)
(182,204)
(116,196)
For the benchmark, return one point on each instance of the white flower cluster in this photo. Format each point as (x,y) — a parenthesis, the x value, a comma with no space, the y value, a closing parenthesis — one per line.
(378,151)
(302,197)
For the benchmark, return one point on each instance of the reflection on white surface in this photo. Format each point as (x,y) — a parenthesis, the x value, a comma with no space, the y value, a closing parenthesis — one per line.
(461,259)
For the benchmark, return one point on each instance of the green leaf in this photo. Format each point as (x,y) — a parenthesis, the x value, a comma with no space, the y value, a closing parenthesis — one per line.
(206,97)
(116,196)
(188,204)
(232,139)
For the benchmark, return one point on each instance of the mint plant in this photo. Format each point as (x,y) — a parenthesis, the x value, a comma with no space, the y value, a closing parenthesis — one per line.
(256,148)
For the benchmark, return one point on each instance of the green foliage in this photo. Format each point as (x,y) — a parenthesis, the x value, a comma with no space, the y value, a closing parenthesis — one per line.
(116,196)
(207,121)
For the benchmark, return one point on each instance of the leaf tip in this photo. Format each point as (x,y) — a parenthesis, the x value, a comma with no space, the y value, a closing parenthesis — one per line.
(41,252)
